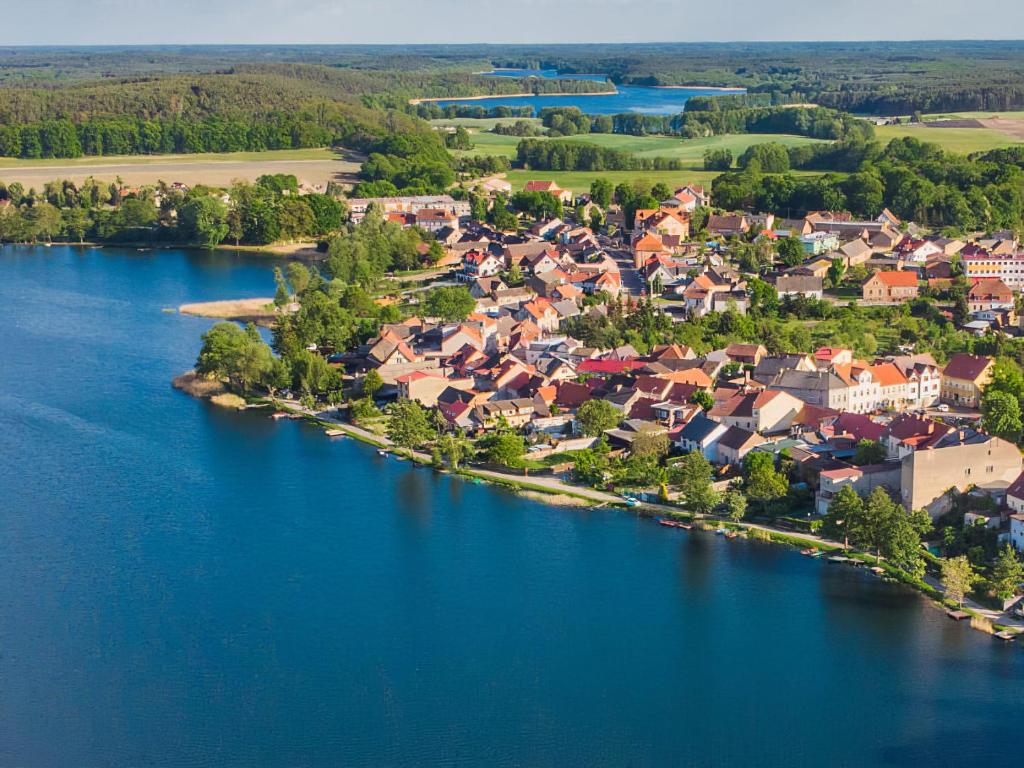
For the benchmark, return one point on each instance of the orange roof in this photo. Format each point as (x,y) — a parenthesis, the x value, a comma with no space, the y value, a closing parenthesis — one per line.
(898,278)
(649,242)
(887,374)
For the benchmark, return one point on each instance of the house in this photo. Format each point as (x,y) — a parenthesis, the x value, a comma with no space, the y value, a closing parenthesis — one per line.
(426,386)
(436,219)
(735,443)
(964,379)
(664,222)
(893,386)
(989,293)
(820,388)
(862,479)
(807,286)
(826,357)
(892,287)
(728,225)
(746,354)
(768,411)
(961,459)
(701,435)
(476,264)
(646,247)
(515,412)
(696,192)
(551,188)
(924,379)
(770,367)
(854,253)
(817,243)
(1017,532)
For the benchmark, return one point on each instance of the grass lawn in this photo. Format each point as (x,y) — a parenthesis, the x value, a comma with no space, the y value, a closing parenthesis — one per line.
(211,157)
(963,141)
(482,123)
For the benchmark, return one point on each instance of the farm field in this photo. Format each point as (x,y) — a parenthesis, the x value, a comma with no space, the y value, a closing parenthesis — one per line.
(963,141)
(313,166)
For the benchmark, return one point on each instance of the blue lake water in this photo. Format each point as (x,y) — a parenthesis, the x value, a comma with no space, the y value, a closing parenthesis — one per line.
(185,586)
(630,98)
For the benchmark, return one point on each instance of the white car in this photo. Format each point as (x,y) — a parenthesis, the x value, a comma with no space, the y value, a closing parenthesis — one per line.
(943,408)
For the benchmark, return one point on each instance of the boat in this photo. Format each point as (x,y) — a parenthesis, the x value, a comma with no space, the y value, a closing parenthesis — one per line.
(719,531)
(277,415)
(809,552)
(1006,635)
(731,534)
(838,559)
(335,433)
(632,503)
(877,570)
(381,452)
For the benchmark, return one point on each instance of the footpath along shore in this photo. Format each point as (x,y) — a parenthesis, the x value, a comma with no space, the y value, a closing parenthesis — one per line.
(557,487)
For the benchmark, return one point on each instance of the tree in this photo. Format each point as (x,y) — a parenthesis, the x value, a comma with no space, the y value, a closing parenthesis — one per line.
(204,219)
(1001,414)
(703,398)
(298,276)
(764,483)
(281,295)
(408,426)
(372,383)
(596,416)
(791,251)
(1007,573)
(900,542)
(650,443)
(693,476)
(236,354)
(845,507)
(958,576)
(450,304)
(735,504)
(506,449)
(835,273)
(869,452)
(455,449)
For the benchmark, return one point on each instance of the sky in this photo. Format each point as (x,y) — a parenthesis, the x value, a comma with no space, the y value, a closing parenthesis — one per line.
(97,22)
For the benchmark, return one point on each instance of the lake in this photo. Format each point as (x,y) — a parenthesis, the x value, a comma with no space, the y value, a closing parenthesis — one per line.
(630,98)
(187,586)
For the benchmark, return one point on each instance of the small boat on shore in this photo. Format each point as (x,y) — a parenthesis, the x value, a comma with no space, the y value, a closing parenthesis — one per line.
(335,433)
(278,415)
(731,534)
(719,531)
(1006,635)
(381,452)
(809,552)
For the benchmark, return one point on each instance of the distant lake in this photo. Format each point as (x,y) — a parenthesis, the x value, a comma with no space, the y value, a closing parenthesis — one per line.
(630,98)
(182,585)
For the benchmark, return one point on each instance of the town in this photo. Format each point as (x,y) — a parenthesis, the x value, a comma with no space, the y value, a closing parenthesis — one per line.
(503,362)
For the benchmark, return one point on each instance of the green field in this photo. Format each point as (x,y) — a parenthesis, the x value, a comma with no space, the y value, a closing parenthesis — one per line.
(579,181)
(963,141)
(689,151)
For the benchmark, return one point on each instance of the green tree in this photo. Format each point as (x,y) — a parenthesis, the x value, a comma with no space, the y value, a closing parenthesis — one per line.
(281,295)
(236,354)
(692,474)
(1001,414)
(869,452)
(900,542)
(601,192)
(846,506)
(408,425)
(735,504)
(596,416)
(298,276)
(703,398)
(1007,573)
(958,576)
(450,303)
(791,251)
(204,219)
(455,449)
(372,383)
(835,273)
(506,449)
(763,482)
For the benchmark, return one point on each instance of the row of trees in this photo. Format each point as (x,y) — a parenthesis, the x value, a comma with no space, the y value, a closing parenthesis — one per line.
(579,156)
(265,212)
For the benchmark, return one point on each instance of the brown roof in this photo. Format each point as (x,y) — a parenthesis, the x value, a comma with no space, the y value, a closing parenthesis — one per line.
(896,278)
(966,367)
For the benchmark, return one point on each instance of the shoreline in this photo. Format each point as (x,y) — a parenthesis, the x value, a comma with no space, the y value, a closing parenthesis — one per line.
(428,99)
(723,88)
(550,494)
